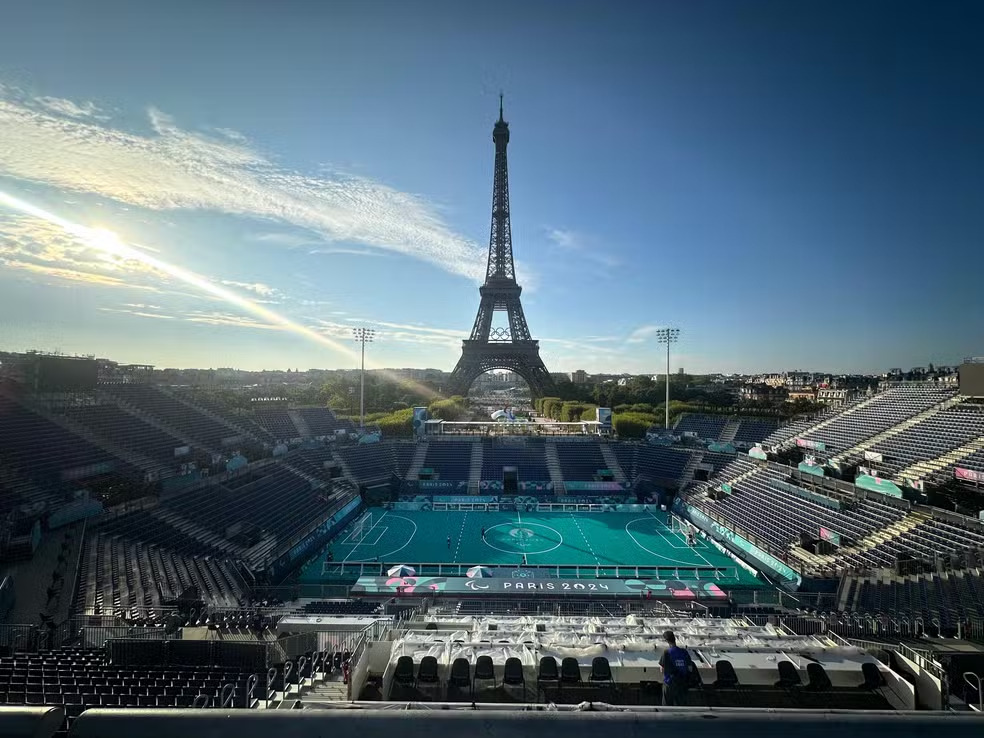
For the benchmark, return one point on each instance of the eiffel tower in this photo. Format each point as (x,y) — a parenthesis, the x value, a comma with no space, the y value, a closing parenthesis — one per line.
(508,346)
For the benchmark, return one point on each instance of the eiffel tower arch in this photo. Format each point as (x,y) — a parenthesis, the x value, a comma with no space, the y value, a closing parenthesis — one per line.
(508,345)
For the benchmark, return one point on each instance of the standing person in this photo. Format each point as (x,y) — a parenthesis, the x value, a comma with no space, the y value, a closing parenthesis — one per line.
(483,532)
(449,543)
(675,663)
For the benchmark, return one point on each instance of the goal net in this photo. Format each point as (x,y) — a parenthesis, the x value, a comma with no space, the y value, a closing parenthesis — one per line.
(360,528)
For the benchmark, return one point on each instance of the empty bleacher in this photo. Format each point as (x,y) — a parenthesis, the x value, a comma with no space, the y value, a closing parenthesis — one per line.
(126,431)
(192,423)
(880,413)
(44,451)
(931,438)
(708,427)
(754,430)
(277,422)
(449,459)
(529,457)
(580,460)
(321,421)
(79,678)
(127,578)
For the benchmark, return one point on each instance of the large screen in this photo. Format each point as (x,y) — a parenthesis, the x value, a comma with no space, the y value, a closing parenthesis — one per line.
(63,374)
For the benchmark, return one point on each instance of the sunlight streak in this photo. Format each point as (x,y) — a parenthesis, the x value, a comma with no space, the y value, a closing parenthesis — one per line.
(111,244)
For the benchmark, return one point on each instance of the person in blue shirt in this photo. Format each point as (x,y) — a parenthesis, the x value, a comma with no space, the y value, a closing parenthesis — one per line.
(675,663)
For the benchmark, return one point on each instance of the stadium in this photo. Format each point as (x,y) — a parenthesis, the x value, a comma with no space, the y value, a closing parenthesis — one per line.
(172,563)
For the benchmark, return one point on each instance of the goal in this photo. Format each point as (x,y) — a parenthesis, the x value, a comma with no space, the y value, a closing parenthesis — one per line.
(360,528)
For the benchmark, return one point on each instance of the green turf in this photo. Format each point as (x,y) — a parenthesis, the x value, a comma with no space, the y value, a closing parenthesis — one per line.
(563,539)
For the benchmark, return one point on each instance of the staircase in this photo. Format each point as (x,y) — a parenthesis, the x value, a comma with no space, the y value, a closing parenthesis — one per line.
(932,466)
(553,466)
(611,462)
(687,475)
(303,429)
(328,691)
(895,430)
(417,462)
(346,472)
(475,470)
(729,431)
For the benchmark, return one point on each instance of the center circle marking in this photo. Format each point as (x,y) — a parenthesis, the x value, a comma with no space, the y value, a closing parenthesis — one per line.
(520,532)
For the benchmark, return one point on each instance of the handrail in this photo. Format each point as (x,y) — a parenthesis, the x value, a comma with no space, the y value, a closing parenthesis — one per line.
(980,694)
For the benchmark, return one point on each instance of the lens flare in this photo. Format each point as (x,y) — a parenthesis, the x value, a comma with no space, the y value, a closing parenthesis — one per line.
(111,244)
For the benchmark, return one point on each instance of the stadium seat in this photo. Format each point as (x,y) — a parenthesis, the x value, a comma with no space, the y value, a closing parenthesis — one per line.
(726,676)
(601,670)
(427,673)
(484,671)
(819,682)
(547,673)
(460,675)
(403,675)
(512,674)
(873,679)
(570,672)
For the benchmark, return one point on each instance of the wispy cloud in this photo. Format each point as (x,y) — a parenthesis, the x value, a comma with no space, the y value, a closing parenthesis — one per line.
(642,334)
(228,319)
(257,288)
(587,247)
(352,252)
(279,238)
(61,106)
(138,313)
(176,169)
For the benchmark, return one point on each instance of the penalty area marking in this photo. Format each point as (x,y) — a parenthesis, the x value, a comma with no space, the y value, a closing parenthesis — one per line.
(513,526)
(382,557)
(659,555)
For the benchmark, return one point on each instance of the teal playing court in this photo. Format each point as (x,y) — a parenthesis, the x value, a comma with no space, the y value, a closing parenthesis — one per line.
(606,544)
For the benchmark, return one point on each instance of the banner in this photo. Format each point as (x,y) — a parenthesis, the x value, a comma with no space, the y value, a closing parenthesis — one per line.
(874,484)
(419,421)
(464,500)
(815,445)
(721,448)
(916,484)
(814,469)
(873,456)
(595,486)
(604,416)
(729,537)
(433,485)
(726,488)
(758,453)
(666,589)
(830,536)
(969,474)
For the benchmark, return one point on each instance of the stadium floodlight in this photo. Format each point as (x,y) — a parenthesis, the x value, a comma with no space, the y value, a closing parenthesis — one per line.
(363,336)
(667,336)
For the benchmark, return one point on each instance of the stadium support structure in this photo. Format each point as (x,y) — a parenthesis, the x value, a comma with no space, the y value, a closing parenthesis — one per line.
(508,347)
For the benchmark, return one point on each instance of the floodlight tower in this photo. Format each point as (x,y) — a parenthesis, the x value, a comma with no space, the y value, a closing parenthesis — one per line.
(364,336)
(667,336)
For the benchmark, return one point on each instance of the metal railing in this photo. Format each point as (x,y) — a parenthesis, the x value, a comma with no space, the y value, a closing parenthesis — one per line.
(378,569)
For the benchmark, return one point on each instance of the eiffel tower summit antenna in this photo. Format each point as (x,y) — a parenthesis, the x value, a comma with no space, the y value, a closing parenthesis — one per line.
(508,347)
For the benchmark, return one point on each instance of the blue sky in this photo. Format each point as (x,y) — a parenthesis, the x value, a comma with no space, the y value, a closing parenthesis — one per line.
(794,185)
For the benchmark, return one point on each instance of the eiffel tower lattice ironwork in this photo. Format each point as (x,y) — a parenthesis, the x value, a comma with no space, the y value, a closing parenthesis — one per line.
(508,346)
